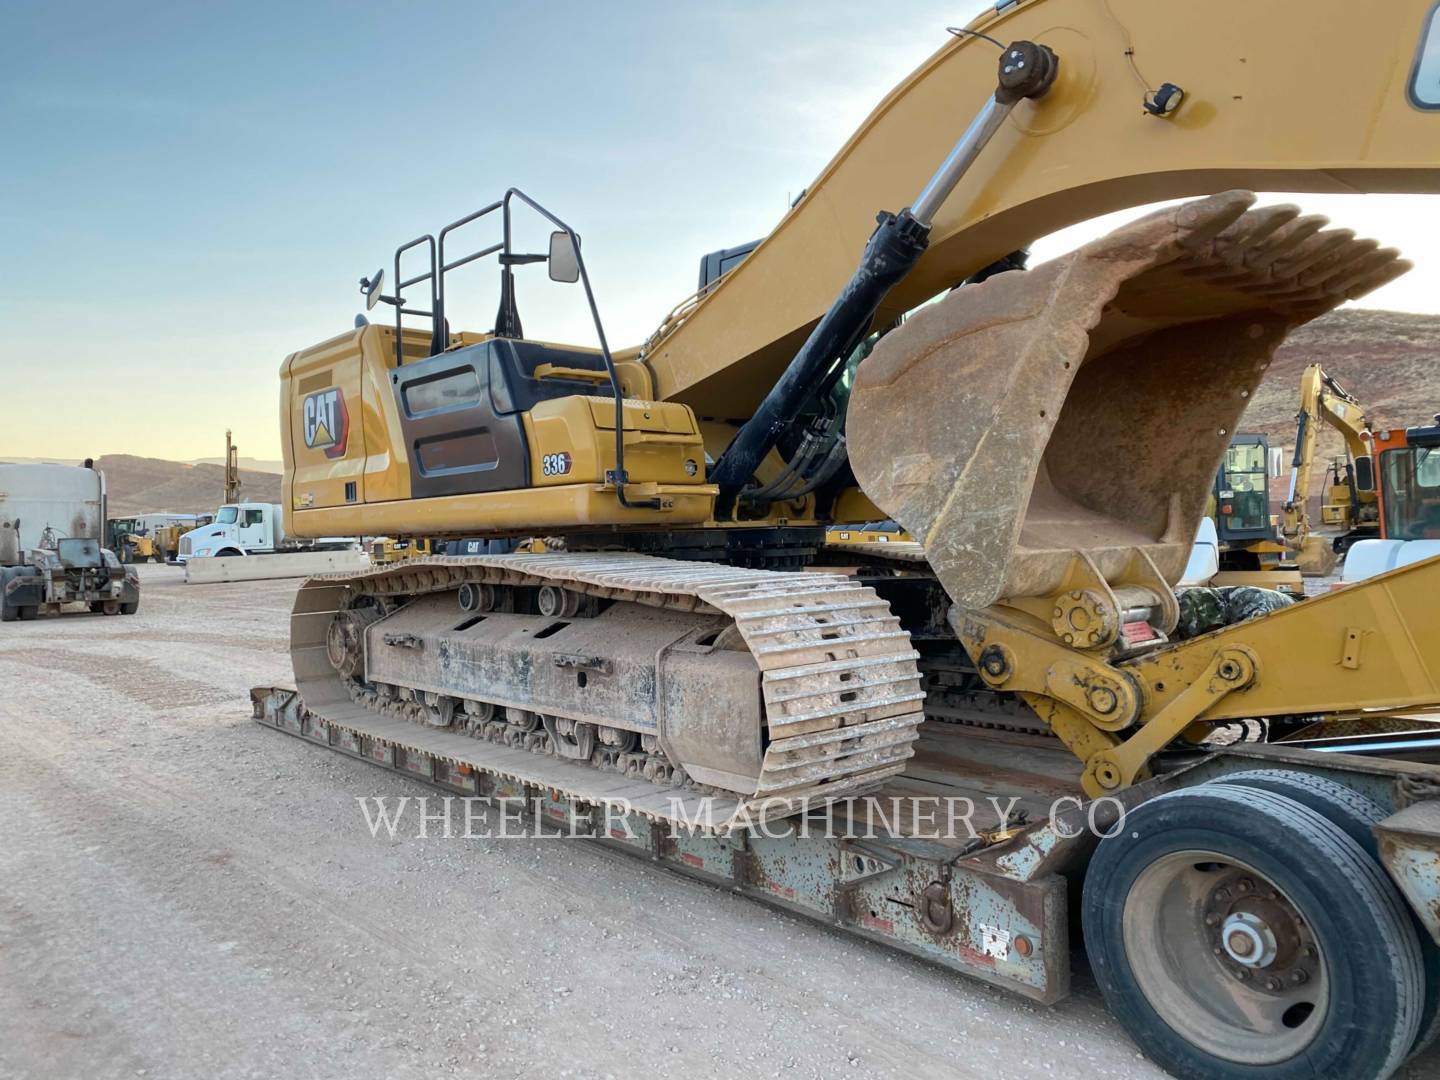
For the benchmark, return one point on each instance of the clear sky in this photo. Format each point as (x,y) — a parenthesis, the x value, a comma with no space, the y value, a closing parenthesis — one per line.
(191,191)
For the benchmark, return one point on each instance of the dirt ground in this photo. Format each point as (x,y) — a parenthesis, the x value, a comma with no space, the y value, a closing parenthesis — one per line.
(186,894)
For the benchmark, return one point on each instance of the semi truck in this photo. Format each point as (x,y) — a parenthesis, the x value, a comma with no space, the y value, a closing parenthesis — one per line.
(250,528)
(52,520)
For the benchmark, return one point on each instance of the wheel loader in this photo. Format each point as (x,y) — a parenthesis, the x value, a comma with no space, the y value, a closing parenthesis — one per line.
(697,675)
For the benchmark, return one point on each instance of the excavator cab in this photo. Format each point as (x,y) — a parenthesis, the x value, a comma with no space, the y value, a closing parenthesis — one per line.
(1242,491)
(1410,483)
(497,433)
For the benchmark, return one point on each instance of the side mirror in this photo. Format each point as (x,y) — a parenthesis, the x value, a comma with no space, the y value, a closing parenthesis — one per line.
(564,261)
(371,288)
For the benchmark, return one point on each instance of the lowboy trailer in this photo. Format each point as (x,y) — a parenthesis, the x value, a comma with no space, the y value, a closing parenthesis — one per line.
(966,860)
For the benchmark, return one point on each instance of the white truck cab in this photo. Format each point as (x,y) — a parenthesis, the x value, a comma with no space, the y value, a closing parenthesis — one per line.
(238,529)
(250,528)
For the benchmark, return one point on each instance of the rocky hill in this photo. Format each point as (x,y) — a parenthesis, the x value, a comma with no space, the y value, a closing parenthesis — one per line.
(139,485)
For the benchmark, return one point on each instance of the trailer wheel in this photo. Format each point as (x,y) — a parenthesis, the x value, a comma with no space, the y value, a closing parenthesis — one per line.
(8,611)
(28,612)
(130,608)
(1356,815)
(1237,933)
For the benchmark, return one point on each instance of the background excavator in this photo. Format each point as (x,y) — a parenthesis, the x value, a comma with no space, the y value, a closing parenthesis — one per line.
(1048,437)
(1254,548)
(1382,492)
(1350,501)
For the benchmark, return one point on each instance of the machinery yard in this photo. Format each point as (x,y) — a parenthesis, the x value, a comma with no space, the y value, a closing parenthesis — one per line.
(185,893)
(904,653)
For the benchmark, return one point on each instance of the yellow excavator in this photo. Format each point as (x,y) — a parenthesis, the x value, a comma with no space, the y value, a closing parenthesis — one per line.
(1047,436)
(1350,500)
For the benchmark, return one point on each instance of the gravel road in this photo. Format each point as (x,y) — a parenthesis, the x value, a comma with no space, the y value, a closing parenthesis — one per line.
(186,894)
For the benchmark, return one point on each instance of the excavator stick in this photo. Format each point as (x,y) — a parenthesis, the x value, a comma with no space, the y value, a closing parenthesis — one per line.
(1084,406)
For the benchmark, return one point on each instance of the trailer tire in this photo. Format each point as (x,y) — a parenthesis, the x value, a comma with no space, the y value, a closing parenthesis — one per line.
(1357,815)
(1336,987)
(130,608)
(28,612)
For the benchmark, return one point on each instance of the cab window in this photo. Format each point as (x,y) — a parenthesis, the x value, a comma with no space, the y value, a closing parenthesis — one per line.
(228,515)
(1412,493)
(1244,488)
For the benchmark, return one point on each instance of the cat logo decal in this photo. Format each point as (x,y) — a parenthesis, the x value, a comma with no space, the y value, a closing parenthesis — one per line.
(327,422)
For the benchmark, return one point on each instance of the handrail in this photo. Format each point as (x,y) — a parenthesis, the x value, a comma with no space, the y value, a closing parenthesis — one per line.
(507,319)
(400,308)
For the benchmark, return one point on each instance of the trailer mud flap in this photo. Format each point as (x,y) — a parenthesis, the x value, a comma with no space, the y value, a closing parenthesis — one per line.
(1410,849)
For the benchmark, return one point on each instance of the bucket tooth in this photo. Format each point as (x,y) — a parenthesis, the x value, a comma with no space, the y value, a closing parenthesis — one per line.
(1284,241)
(1083,407)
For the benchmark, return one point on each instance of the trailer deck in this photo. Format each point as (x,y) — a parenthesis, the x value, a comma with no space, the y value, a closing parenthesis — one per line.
(961,860)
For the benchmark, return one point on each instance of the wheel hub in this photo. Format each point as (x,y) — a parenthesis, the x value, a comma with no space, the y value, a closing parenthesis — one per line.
(1258,935)
(1248,940)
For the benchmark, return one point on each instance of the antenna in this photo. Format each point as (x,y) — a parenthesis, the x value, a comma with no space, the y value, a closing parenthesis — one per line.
(232,470)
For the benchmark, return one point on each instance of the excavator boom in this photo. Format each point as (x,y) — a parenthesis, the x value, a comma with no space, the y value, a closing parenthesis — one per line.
(1263,110)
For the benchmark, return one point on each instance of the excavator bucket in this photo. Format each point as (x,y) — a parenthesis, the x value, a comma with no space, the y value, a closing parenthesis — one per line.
(1316,557)
(1084,406)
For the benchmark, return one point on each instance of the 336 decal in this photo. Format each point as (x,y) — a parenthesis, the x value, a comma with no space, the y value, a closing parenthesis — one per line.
(327,422)
(556,464)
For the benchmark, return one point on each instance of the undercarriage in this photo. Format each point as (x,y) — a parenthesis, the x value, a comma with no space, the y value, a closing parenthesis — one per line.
(656,681)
